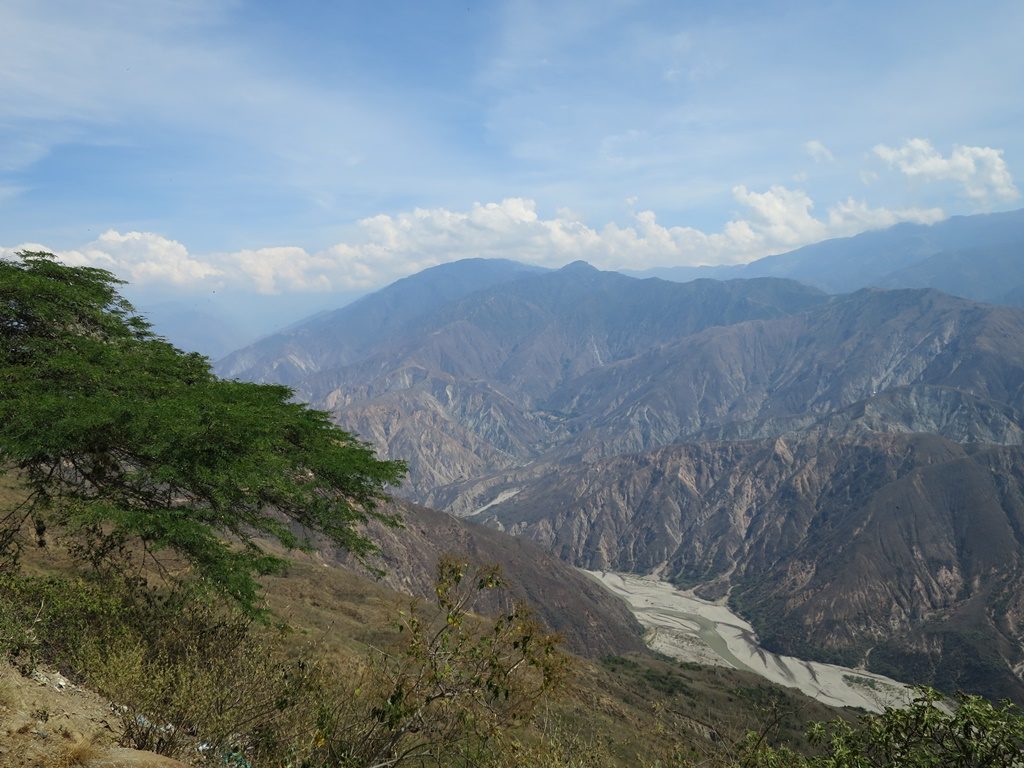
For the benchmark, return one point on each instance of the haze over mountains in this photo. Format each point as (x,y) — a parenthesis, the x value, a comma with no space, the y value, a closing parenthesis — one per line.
(846,467)
(478,383)
(978,257)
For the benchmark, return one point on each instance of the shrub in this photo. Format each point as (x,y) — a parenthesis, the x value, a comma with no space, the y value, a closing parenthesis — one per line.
(455,686)
(209,683)
(212,685)
(47,618)
(178,672)
(971,733)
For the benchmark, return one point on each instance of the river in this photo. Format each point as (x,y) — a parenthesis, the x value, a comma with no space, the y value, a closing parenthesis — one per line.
(687,628)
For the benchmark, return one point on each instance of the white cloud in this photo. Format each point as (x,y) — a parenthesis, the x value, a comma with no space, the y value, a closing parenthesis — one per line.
(781,216)
(818,151)
(280,269)
(981,171)
(391,246)
(7,252)
(852,216)
(143,257)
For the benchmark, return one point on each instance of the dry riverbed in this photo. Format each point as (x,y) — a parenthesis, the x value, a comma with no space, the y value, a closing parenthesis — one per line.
(690,629)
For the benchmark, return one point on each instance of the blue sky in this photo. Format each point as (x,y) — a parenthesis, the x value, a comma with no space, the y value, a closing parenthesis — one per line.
(319,149)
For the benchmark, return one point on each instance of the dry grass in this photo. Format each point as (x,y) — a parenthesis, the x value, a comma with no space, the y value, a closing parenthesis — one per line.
(338,611)
(81,753)
(643,707)
(9,699)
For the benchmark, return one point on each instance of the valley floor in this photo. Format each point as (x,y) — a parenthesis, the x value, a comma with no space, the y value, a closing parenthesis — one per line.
(690,629)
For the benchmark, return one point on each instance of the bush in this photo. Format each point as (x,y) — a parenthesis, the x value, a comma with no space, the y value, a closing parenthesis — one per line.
(178,672)
(47,619)
(215,688)
(972,733)
(207,683)
(454,688)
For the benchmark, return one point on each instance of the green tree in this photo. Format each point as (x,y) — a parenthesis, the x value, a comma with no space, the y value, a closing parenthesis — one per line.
(133,448)
(971,733)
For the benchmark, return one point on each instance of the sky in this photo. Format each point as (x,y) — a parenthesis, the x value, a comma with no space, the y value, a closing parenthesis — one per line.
(294,155)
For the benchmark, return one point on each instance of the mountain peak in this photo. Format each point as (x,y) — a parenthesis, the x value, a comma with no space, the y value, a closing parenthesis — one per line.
(579,266)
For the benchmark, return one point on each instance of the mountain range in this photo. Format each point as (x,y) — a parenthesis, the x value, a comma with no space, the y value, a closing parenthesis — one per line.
(476,384)
(843,467)
(978,257)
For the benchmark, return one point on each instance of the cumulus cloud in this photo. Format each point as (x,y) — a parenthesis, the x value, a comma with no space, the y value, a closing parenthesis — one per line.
(138,257)
(143,257)
(280,269)
(818,151)
(391,246)
(981,171)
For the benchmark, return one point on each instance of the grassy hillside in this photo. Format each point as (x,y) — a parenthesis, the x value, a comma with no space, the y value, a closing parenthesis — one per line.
(621,710)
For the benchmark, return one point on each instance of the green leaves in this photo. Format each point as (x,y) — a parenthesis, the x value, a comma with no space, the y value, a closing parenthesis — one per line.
(931,733)
(121,437)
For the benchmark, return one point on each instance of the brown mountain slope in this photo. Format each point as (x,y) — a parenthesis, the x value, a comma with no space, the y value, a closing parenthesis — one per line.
(951,413)
(461,391)
(944,411)
(632,709)
(626,709)
(622,710)
(833,547)
(592,621)
(588,364)
(811,363)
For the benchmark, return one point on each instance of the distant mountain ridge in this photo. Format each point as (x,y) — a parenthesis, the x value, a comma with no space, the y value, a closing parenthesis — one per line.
(345,335)
(463,390)
(978,257)
(817,361)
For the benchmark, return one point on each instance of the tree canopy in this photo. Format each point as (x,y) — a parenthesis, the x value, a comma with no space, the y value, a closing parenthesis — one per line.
(129,444)
(932,732)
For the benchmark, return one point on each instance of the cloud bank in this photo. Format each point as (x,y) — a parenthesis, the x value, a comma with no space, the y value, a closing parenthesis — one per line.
(391,246)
